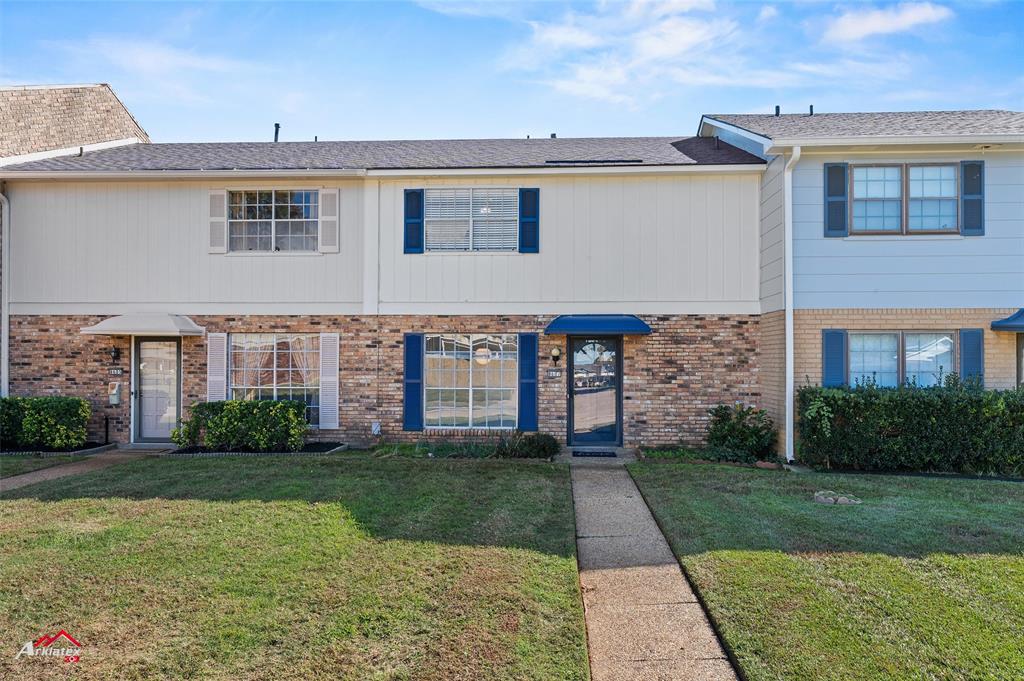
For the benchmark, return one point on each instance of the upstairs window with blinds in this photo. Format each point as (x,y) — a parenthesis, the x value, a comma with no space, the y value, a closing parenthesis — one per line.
(471,219)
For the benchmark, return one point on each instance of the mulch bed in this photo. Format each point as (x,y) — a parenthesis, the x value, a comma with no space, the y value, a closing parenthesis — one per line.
(21,451)
(310,448)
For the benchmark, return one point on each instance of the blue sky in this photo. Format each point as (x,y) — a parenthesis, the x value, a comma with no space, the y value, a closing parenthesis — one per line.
(361,70)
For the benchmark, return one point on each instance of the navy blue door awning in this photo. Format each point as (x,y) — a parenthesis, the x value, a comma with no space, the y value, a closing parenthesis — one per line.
(597,325)
(1014,322)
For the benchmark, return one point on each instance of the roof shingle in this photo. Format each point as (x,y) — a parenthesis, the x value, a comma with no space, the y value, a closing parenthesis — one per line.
(43,118)
(882,124)
(402,154)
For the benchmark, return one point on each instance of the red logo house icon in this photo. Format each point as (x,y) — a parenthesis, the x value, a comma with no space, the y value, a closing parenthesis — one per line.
(62,644)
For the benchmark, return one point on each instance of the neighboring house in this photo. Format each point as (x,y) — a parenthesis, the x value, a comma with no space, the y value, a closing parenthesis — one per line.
(907,245)
(44,121)
(606,291)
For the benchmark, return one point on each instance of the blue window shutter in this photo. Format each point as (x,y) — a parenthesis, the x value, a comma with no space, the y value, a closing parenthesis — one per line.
(972,198)
(527,381)
(529,221)
(413,382)
(836,199)
(972,354)
(833,358)
(413,220)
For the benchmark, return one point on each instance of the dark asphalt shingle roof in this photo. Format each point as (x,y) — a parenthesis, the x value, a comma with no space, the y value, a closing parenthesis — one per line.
(402,154)
(890,123)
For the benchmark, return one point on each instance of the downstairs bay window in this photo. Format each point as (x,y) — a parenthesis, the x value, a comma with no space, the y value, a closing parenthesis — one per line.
(470,381)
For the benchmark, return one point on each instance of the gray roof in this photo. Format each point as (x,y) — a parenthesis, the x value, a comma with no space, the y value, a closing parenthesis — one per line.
(883,124)
(402,154)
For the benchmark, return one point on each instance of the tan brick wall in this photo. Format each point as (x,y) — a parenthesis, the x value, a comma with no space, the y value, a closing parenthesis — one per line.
(1000,348)
(773,370)
(671,378)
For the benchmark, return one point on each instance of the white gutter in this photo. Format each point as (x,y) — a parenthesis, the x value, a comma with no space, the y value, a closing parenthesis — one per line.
(5,294)
(788,277)
(165,174)
(894,140)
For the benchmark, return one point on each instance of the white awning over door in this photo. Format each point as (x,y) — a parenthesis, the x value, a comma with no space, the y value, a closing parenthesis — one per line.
(146,324)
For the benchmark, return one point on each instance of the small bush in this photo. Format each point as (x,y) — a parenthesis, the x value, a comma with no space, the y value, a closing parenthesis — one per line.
(48,423)
(519,445)
(244,426)
(956,428)
(747,432)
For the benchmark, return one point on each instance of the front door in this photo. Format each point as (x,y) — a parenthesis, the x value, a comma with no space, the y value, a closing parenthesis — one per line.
(157,389)
(595,391)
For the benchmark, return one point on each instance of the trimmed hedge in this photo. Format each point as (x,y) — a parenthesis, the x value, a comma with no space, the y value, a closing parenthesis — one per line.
(244,426)
(956,428)
(46,423)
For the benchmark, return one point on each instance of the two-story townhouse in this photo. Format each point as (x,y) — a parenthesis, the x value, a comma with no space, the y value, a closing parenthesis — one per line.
(44,121)
(602,290)
(892,246)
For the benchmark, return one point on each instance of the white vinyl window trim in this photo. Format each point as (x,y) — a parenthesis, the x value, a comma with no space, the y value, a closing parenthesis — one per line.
(471,220)
(273,221)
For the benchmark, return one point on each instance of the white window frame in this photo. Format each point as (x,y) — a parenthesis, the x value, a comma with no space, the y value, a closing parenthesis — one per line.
(230,385)
(471,250)
(515,390)
(273,221)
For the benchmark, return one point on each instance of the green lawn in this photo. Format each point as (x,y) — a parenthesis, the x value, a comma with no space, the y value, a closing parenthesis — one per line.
(925,580)
(274,568)
(16,464)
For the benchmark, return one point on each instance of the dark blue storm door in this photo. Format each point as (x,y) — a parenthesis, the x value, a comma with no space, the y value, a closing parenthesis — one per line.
(595,391)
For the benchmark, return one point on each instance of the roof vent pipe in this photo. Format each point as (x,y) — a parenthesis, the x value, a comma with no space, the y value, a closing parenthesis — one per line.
(778,109)
(554,136)
(812,109)
(277,129)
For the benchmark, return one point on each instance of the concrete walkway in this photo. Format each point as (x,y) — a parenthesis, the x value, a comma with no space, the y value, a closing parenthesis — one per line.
(93,463)
(643,620)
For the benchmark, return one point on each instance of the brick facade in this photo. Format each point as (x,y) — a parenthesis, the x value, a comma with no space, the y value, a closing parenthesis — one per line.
(1000,348)
(670,378)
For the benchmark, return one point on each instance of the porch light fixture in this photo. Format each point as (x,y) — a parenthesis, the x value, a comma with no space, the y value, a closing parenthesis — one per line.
(556,354)
(115,354)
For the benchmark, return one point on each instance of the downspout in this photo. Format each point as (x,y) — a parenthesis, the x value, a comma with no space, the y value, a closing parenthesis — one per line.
(5,292)
(788,278)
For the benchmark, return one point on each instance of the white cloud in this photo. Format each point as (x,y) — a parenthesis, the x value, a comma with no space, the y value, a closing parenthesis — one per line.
(767,13)
(858,24)
(563,36)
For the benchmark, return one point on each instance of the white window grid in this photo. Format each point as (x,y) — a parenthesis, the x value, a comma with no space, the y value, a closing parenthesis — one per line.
(933,198)
(471,219)
(276,366)
(471,381)
(877,193)
(273,220)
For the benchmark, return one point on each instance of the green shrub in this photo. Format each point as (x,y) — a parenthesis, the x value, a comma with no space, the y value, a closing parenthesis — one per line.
(12,410)
(53,423)
(955,428)
(244,425)
(519,445)
(747,432)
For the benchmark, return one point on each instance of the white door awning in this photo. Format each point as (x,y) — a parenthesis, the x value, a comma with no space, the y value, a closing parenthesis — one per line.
(149,324)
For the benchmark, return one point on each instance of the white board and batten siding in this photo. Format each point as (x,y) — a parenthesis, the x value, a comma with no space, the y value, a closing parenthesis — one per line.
(105,247)
(924,271)
(654,244)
